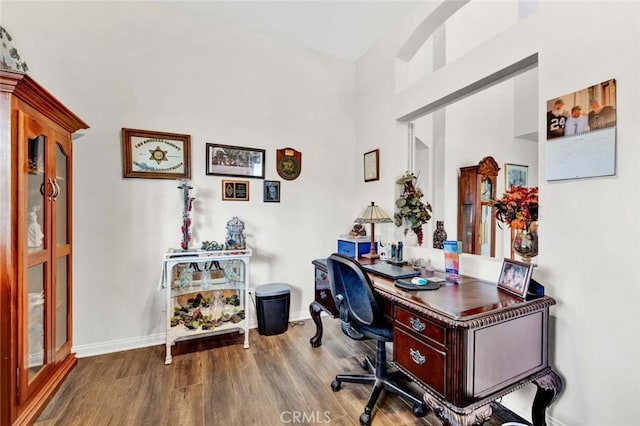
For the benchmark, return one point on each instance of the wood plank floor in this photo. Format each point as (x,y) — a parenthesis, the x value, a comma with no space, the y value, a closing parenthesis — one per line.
(215,381)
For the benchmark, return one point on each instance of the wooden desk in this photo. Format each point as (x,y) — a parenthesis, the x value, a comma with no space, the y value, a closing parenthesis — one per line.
(466,344)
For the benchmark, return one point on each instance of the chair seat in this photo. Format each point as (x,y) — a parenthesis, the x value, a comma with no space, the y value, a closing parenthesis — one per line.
(377,332)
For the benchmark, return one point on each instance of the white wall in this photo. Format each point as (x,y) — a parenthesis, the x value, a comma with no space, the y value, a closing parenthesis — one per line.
(153,66)
(588,228)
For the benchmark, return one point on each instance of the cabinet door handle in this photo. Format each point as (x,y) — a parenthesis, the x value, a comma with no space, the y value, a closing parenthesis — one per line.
(56,187)
(417,325)
(417,357)
(52,195)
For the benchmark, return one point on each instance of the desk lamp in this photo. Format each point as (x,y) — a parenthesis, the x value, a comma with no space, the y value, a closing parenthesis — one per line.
(372,214)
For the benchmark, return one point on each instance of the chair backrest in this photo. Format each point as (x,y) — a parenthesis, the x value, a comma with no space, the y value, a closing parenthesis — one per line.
(351,285)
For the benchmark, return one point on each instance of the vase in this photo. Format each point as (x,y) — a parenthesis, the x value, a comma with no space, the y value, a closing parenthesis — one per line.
(410,238)
(525,242)
(439,235)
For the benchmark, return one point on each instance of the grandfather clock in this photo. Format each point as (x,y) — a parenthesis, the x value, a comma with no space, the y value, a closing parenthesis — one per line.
(476,223)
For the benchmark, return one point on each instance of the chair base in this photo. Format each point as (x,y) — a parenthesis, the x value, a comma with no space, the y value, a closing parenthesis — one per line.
(380,380)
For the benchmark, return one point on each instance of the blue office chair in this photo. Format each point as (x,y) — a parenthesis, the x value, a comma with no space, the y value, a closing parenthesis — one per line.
(361,317)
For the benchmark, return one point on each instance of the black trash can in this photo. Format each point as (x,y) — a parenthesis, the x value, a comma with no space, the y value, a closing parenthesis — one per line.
(272,308)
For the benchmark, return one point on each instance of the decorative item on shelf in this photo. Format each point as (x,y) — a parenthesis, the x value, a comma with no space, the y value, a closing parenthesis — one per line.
(10,58)
(372,214)
(211,246)
(518,209)
(358,231)
(186,278)
(412,212)
(34,230)
(187,201)
(439,235)
(235,237)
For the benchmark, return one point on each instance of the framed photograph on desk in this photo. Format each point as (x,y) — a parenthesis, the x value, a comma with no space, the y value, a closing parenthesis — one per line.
(515,277)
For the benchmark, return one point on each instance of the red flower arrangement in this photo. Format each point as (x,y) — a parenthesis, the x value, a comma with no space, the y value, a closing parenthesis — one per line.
(518,207)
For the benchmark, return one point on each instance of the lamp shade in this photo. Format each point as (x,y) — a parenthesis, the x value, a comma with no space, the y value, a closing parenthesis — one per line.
(373,214)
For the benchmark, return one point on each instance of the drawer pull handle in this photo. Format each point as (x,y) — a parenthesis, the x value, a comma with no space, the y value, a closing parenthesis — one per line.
(323,295)
(417,357)
(417,325)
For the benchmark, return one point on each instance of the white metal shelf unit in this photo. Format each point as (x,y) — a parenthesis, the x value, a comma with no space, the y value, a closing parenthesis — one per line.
(224,318)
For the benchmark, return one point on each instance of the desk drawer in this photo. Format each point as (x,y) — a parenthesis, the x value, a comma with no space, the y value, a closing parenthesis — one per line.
(420,326)
(426,363)
(323,292)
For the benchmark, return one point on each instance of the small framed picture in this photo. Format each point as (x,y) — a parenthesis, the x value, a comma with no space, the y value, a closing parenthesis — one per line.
(271,192)
(235,190)
(372,165)
(155,155)
(515,277)
(227,160)
(515,175)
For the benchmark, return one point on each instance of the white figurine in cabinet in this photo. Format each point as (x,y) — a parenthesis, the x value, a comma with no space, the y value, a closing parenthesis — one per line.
(34,230)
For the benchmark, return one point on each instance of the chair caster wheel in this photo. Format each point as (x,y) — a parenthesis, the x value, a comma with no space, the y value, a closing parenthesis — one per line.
(364,364)
(419,410)
(365,419)
(336,385)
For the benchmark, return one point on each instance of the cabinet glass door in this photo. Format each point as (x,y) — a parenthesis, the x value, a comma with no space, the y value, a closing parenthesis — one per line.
(61,276)
(35,219)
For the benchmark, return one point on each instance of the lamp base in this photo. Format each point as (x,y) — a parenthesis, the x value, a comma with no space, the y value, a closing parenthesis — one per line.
(371,256)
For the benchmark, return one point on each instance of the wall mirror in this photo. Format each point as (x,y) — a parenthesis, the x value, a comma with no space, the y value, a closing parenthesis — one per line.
(500,121)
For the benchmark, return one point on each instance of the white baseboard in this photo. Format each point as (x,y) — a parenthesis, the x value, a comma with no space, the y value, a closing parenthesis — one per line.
(101,348)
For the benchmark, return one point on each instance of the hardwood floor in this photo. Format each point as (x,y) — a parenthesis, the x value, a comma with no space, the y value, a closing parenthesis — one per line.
(279,380)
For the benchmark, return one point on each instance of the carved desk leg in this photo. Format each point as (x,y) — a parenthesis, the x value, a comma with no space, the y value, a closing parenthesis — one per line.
(549,387)
(315,308)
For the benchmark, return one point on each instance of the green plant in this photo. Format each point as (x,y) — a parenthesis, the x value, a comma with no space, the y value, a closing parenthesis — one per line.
(410,208)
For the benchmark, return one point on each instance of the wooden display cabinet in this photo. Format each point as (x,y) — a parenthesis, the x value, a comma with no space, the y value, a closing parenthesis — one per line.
(35,246)
(476,222)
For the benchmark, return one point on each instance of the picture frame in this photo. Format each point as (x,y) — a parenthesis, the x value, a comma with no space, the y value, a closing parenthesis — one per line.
(237,161)
(150,154)
(235,190)
(515,277)
(372,165)
(515,174)
(271,191)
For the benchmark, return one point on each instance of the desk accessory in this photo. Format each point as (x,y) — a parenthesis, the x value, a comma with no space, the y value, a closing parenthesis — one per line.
(452,260)
(409,285)
(388,270)
(372,214)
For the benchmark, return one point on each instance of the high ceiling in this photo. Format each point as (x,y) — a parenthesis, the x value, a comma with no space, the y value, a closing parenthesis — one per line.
(345,29)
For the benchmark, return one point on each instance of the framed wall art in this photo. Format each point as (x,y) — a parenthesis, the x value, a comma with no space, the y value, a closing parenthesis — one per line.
(271,192)
(515,175)
(515,277)
(235,190)
(227,160)
(155,155)
(372,165)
